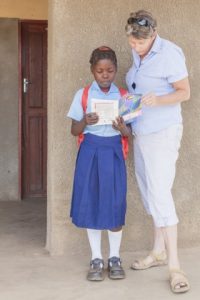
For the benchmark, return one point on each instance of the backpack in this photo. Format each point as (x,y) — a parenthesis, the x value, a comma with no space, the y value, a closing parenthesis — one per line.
(124,139)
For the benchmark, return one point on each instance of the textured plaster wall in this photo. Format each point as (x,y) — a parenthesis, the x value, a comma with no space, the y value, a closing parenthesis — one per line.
(75,29)
(8,109)
(24,9)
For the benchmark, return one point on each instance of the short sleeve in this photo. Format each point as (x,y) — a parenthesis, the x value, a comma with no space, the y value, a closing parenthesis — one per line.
(175,65)
(76,110)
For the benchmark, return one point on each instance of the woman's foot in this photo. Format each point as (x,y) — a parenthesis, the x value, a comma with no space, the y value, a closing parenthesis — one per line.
(152,260)
(178,281)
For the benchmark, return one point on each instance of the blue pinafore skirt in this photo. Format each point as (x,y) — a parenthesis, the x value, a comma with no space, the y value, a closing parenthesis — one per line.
(100,184)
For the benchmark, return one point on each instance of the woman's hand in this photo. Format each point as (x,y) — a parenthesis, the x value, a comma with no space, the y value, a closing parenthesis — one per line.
(150,100)
(91,118)
(181,93)
(120,125)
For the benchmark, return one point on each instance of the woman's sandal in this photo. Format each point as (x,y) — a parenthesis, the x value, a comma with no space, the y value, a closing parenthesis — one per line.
(178,281)
(155,260)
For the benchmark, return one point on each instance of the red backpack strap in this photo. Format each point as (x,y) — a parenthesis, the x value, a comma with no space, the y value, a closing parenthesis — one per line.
(84,101)
(123,92)
(125,146)
(85,97)
(124,139)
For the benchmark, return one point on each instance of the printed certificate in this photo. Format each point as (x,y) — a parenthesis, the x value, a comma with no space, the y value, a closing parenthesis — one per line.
(107,110)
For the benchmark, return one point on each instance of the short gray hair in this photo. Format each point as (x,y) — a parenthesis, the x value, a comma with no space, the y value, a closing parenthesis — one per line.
(141,24)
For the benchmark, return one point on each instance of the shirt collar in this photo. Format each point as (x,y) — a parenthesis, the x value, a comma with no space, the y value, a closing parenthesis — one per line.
(95,86)
(156,47)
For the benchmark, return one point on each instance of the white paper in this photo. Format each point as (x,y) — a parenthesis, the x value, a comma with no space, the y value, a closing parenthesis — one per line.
(107,110)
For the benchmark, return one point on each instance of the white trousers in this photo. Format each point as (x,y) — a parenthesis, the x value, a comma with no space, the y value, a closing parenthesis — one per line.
(155,157)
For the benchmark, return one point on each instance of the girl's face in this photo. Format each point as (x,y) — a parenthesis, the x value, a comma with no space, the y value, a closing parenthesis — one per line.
(104,72)
(141,46)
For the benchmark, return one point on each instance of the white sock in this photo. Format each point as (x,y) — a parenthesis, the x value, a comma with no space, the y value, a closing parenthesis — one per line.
(94,237)
(115,238)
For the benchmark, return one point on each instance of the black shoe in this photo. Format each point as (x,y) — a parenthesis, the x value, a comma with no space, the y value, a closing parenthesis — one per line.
(96,271)
(115,270)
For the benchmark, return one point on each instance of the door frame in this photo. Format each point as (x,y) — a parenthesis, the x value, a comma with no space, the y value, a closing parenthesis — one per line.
(20,97)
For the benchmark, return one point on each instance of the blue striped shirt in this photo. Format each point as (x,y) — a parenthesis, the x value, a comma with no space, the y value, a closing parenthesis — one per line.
(163,65)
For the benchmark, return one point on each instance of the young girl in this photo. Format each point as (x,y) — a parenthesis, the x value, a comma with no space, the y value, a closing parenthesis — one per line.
(99,190)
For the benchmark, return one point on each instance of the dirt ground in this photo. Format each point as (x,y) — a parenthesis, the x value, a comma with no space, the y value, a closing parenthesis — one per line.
(28,272)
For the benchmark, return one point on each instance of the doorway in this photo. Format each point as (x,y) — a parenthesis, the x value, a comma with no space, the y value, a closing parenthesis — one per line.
(33,86)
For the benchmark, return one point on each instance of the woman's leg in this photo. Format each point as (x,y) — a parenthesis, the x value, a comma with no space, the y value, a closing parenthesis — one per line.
(157,256)
(159,241)
(178,280)
(157,155)
(165,238)
(170,236)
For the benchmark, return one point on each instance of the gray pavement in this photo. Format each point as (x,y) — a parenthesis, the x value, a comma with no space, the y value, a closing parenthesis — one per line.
(27,272)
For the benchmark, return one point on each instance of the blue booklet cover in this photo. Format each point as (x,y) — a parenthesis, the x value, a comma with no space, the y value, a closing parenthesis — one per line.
(130,107)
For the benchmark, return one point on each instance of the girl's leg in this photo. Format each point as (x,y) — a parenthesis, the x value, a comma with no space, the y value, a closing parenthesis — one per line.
(115,270)
(115,237)
(94,237)
(96,271)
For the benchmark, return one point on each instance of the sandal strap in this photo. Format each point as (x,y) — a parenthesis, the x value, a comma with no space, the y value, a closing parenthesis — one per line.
(158,256)
(176,271)
(154,256)
(177,276)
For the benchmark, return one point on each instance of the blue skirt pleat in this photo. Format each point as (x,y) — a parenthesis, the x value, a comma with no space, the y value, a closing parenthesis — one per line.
(100,184)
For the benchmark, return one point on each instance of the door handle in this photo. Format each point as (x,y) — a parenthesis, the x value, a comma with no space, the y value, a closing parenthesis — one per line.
(26,82)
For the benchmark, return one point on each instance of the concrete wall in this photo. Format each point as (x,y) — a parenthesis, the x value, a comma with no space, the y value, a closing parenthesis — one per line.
(75,29)
(8,109)
(24,9)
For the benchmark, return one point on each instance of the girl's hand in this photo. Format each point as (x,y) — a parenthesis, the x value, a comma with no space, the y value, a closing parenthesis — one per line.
(119,124)
(150,100)
(91,118)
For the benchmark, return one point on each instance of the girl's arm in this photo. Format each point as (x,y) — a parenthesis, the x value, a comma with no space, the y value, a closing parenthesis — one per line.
(78,127)
(181,93)
(120,125)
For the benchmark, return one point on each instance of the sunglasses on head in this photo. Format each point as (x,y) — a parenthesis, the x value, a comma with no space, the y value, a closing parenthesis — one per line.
(140,22)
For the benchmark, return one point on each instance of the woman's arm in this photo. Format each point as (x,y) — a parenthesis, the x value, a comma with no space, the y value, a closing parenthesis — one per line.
(181,93)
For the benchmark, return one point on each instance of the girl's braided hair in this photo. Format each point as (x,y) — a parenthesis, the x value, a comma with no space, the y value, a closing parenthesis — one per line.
(103,52)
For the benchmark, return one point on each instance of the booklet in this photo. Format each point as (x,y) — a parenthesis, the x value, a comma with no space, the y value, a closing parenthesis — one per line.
(130,107)
(107,110)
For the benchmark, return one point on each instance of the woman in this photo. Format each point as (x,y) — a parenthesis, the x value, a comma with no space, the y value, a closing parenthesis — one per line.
(160,75)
